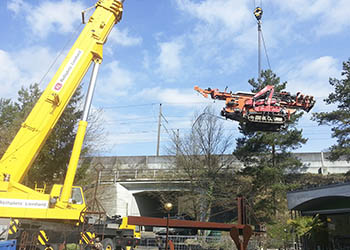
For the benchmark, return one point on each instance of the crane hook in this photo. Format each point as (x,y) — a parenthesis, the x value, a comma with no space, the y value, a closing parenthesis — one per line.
(258,13)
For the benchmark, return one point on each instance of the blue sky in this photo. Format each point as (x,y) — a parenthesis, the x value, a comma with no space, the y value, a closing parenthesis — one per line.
(161,49)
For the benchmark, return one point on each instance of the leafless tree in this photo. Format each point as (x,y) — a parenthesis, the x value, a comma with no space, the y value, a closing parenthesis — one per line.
(204,157)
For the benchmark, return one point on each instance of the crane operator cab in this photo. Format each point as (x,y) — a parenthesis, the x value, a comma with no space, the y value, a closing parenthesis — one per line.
(76,200)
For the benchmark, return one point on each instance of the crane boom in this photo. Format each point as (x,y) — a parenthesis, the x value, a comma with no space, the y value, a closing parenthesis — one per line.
(33,133)
(65,202)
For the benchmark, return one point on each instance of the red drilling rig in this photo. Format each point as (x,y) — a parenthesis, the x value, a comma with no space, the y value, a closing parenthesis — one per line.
(266,110)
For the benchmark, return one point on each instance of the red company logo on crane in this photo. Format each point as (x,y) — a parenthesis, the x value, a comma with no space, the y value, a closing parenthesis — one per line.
(67,71)
(58,86)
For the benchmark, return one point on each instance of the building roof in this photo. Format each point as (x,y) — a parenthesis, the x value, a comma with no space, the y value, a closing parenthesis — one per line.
(328,199)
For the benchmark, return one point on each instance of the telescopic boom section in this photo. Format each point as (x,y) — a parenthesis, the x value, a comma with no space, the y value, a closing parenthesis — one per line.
(34,131)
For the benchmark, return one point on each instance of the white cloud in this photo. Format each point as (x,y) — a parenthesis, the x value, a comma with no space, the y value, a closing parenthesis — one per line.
(177,97)
(16,5)
(221,37)
(170,58)
(122,129)
(20,68)
(228,27)
(122,37)
(233,14)
(321,68)
(31,66)
(330,16)
(115,81)
(146,62)
(305,9)
(9,75)
(49,16)
(311,77)
(336,19)
(220,24)
(130,137)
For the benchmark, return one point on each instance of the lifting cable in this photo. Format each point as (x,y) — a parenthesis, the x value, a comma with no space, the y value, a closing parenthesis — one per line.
(255,3)
(267,56)
(258,15)
(60,53)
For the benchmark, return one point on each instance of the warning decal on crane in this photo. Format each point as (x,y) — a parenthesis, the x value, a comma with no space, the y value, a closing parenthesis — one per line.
(67,70)
(24,203)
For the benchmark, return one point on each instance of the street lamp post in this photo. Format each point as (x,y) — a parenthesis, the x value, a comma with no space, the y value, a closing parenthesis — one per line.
(285,238)
(167,206)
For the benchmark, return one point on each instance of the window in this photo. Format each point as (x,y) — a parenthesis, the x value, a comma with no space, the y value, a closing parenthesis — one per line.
(77,197)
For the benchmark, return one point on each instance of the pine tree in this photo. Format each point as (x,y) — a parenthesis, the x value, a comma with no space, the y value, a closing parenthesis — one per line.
(51,163)
(339,118)
(8,114)
(267,157)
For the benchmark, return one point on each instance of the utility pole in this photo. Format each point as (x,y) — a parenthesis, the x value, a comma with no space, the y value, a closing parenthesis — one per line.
(159,124)
(258,15)
(177,141)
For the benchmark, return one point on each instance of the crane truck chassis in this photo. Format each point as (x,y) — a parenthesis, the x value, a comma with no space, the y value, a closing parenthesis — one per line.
(114,233)
(37,219)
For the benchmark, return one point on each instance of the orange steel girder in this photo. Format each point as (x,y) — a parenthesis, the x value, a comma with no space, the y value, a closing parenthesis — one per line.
(236,230)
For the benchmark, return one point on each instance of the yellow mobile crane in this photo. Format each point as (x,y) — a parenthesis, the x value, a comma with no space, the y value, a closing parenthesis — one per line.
(65,203)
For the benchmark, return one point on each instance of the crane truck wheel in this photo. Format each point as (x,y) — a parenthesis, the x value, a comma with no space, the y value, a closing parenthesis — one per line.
(48,248)
(108,244)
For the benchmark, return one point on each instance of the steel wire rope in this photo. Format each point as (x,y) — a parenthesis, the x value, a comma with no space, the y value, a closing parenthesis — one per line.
(167,130)
(168,133)
(147,119)
(266,53)
(307,133)
(267,56)
(60,52)
(138,132)
(179,103)
(255,4)
(23,144)
(130,119)
(110,123)
(263,40)
(149,104)
(127,123)
(186,118)
(128,106)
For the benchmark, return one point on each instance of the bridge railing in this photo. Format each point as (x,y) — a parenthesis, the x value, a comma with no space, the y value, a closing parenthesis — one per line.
(138,174)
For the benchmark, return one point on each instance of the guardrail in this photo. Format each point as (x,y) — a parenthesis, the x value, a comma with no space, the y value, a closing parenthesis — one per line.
(113,176)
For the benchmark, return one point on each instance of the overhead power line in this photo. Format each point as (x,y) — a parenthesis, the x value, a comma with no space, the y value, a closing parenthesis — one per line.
(128,106)
(151,104)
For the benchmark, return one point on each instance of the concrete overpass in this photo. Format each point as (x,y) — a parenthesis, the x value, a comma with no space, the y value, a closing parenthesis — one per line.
(312,163)
(125,181)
